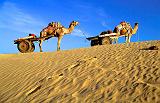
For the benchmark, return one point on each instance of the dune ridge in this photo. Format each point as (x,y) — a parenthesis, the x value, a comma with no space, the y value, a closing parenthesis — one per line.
(117,73)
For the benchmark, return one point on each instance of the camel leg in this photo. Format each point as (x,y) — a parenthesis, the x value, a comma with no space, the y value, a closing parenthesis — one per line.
(40,45)
(116,41)
(59,42)
(42,34)
(112,39)
(126,39)
(127,43)
(129,38)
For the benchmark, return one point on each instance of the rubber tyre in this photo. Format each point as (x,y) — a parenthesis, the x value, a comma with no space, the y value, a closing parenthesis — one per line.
(24,46)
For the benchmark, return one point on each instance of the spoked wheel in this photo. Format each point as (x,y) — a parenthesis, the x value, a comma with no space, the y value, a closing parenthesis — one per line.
(24,46)
(105,40)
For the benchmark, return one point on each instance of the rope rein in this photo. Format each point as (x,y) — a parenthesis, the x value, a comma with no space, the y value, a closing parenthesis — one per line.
(83,34)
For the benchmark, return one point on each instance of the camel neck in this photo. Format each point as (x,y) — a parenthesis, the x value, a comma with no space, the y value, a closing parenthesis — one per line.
(71,28)
(135,29)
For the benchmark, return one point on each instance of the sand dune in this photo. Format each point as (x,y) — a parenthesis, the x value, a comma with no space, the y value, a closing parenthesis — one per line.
(102,74)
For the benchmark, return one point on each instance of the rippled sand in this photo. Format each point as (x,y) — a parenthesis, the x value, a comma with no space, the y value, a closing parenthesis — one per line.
(115,73)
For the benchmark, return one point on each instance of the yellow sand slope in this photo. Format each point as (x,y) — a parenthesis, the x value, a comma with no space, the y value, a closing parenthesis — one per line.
(108,73)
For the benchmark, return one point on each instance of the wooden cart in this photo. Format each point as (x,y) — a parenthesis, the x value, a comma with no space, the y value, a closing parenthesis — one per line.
(26,45)
(103,38)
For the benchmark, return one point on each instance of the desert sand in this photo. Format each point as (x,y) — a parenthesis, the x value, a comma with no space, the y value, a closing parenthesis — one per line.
(116,73)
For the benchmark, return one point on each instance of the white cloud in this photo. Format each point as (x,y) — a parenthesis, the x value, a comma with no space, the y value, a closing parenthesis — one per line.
(14,18)
(105,18)
(105,24)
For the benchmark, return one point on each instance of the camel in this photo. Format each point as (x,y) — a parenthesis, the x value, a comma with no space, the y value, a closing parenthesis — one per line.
(125,33)
(132,31)
(59,33)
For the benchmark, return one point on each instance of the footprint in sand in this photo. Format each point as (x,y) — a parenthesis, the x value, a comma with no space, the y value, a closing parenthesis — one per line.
(71,68)
(39,85)
(33,90)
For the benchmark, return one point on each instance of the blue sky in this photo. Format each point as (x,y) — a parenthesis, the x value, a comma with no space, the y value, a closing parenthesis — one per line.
(18,18)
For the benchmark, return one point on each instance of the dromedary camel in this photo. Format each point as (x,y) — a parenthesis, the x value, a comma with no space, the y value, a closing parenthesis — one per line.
(125,33)
(132,31)
(59,33)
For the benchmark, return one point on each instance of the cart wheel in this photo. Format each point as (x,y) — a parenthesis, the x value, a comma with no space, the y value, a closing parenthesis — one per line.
(24,46)
(94,42)
(105,40)
(33,47)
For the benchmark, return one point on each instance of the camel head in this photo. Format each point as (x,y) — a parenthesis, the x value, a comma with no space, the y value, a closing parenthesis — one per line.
(74,23)
(136,24)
